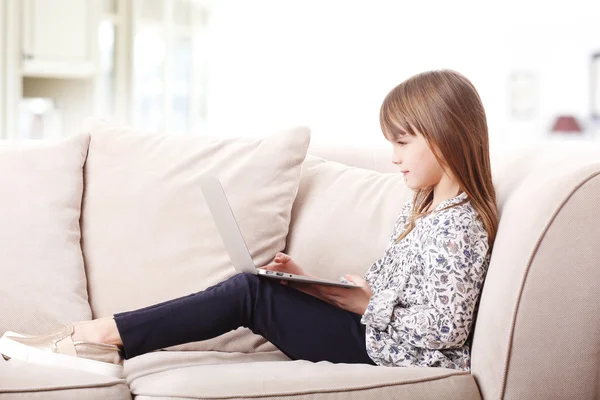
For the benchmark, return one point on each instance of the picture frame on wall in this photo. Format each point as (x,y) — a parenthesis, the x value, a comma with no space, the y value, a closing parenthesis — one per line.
(595,86)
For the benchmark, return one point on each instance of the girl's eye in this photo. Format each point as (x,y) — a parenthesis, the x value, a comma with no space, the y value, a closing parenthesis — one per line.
(401,143)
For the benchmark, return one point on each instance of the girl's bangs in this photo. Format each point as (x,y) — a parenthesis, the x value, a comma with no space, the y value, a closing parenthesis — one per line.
(394,124)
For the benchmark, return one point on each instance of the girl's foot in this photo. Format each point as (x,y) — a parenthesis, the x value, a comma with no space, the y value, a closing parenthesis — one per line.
(60,348)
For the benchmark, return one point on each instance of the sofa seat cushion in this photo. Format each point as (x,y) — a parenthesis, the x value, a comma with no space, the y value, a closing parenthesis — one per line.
(20,380)
(208,375)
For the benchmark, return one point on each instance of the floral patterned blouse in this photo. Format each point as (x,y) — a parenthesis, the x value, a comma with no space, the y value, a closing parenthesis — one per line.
(426,289)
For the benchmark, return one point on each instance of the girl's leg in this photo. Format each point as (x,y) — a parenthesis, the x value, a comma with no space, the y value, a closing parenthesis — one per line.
(300,325)
(104,329)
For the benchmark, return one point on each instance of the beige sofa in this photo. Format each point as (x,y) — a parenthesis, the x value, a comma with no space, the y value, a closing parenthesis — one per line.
(537,333)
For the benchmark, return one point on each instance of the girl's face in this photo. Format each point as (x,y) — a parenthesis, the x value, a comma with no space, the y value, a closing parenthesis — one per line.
(414,158)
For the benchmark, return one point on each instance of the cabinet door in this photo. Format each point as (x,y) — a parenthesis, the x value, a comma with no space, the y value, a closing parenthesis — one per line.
(57,38)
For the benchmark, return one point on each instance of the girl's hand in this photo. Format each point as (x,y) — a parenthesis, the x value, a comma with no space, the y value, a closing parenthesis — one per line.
(284,263)
(354,300)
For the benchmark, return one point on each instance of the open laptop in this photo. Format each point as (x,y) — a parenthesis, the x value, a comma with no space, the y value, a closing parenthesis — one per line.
(234,241)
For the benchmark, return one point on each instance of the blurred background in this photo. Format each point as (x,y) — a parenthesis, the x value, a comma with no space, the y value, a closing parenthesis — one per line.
(247,68)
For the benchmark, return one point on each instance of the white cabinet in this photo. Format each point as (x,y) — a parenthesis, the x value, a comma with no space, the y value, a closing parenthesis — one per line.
(48,57)
(140,61)
(58,38)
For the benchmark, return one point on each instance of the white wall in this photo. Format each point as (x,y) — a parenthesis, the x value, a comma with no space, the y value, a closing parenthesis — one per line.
(329,63)
(561,55)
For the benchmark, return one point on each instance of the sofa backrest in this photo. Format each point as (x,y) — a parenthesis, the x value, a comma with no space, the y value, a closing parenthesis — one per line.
(342,217)
(537,329)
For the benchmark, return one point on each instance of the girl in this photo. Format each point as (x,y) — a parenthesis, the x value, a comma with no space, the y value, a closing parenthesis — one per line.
(415,306)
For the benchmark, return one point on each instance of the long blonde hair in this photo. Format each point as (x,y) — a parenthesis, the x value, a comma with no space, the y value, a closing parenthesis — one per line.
(446,109)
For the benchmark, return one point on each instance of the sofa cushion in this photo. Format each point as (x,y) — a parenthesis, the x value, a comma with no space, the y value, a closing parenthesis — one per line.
(41,265)
(148,235)
(207,375)
(22,380)
(343,217)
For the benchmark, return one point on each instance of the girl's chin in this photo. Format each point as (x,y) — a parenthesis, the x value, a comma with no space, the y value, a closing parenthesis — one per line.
(412,186)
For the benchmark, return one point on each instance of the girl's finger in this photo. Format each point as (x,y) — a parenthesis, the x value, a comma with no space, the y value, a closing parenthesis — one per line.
(330,296)
(330,290)
(283,257)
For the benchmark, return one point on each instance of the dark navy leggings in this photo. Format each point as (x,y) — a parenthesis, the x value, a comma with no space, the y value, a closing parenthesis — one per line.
(303,327)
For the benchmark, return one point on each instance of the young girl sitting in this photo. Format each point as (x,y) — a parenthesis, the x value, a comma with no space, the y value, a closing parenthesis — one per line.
(415,306)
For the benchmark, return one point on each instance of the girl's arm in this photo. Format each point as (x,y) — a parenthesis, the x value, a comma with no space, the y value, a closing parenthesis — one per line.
(453,282)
